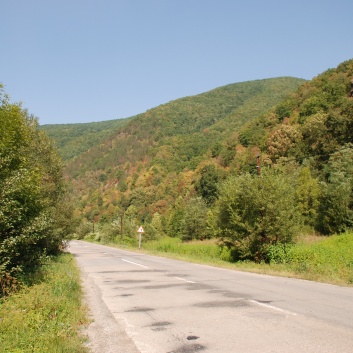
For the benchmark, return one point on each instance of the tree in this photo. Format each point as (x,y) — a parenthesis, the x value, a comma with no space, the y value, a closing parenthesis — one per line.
(307,196)
(194,223)
(336,203)
(282,141)
(254,212)
(34,213)
(207,185)
(175,218)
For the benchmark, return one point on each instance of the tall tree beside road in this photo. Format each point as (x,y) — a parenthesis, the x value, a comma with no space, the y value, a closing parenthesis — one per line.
(32,190)
(336,213)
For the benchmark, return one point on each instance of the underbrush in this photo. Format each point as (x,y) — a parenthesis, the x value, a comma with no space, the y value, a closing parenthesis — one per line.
(201,250)
(328,259)
(46,316)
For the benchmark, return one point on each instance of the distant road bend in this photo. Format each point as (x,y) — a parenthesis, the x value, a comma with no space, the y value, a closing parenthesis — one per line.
(147,304)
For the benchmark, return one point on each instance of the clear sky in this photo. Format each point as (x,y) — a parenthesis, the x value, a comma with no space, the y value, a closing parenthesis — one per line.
(73,61)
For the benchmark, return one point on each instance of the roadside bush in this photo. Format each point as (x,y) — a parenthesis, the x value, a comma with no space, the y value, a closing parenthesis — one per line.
(279,253)
(83,229)
(254,212)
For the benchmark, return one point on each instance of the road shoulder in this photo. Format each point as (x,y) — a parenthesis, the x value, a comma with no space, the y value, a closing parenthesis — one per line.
(105,333)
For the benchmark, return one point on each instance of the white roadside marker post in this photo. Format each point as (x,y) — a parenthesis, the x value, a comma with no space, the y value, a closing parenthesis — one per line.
(140,231)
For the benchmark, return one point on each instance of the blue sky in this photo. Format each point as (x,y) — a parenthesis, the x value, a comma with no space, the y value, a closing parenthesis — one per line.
(71,61)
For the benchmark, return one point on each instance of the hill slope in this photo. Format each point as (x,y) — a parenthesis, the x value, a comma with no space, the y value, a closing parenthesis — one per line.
(177,168)
(74,139)
(180,131)
(146,164)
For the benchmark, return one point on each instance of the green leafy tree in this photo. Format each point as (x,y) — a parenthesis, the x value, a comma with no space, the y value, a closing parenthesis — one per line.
(254,212)
(336,203)
(194,223)
(207,185)
(175,218)
(34,213)
(307,195)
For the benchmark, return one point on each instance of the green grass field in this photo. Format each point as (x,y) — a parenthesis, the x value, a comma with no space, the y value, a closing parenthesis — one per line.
(46,316)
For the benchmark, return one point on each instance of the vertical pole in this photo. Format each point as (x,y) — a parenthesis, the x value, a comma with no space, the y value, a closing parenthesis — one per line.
(121,225)
(139,240)
(93,225)
(258,165)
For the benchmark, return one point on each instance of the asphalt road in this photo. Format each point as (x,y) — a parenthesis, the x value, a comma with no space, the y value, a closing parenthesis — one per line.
(149,304)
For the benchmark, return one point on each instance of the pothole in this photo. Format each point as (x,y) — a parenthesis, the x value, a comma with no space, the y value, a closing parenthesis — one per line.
(192,338)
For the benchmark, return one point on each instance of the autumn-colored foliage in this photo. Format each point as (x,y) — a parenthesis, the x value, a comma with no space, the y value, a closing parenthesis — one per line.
(161,161)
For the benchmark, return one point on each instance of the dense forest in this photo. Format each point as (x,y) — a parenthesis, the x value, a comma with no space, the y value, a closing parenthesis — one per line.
(253,164)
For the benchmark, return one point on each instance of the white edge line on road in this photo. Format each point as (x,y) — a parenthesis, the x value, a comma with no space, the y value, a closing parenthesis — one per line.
(183,279)
(134,263)
(273,307)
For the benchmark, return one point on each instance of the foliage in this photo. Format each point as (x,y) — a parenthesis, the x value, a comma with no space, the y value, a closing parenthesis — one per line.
(307,196)
(47,316)
(255,212)
(207,185)
(330,258)
(194,222)
(34,210)
(196,250)
(74,139)
(282,142)
(158,161)
(323,259)
(336,206)
(155,157)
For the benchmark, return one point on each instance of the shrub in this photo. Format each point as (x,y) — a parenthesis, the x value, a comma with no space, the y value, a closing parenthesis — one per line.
(254,212)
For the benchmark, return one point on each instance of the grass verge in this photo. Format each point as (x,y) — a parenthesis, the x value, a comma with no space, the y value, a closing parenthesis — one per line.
(46,316)
(323,259)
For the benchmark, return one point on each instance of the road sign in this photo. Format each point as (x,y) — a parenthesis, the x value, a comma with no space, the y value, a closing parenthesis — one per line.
(140,231)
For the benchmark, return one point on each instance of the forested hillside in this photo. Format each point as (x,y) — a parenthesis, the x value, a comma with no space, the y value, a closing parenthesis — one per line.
(253,164)
(152,164)
(74,139)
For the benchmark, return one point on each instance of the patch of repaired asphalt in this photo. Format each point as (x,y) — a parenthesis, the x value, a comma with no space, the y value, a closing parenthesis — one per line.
(189,348)
(131,281)
(159,326)
(139,309)
(161,286)
(223,304)
(161,323)
(198,286)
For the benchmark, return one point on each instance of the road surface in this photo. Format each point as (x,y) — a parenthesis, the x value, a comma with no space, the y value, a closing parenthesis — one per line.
(148,304)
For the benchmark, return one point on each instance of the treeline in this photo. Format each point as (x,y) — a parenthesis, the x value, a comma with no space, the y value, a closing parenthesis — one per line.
(74,139)
(35,214)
